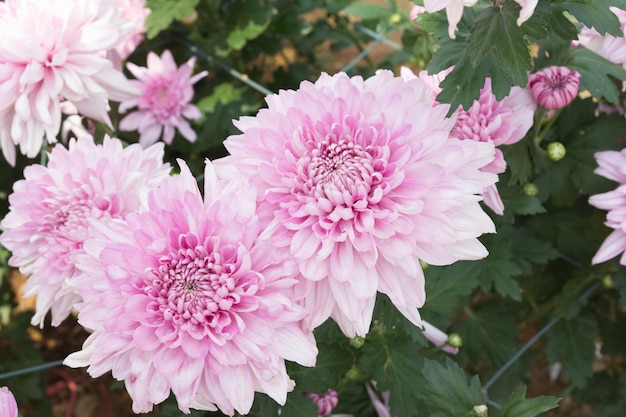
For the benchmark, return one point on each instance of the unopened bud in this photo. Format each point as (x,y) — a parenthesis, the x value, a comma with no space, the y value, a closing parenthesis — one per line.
(190,18)
(357,342)
(480,410)
(531,189)
(395,18)
(554,87)
(607,281)
(455,340)
(556,151)
(353,374)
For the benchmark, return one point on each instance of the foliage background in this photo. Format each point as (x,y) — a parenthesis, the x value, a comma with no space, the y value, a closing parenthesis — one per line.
(537,281)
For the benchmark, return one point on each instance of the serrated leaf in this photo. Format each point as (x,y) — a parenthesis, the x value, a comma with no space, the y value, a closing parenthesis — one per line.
(331,364)
(462,86)
(518,203)
(223,94)
(482,328)
(251,22)
(448,391)
(298,405)
(164,12)
(594,74)
(594,13)
(517,405)
(395,366)
(571,343)
(367,11)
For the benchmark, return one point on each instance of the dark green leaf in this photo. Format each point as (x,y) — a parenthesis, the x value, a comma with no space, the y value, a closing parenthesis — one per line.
(594,13)
(448,391)
(571,343)
(298,405)
(367,11)
(594,74)
(517,405)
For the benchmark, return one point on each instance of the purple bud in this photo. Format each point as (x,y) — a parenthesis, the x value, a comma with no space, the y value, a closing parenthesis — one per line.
(554,87)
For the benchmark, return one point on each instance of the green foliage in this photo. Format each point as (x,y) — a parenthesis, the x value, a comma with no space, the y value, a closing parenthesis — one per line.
(164,12)
(517,405)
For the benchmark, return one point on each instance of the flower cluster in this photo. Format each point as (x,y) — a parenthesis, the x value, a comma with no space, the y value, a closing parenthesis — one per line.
(53,206)
(54,51)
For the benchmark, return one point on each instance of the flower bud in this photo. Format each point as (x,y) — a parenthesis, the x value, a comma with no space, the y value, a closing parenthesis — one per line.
(325,402)
(353,373)
(357,342)
(480,410)
(556,151)
(607,281)
(531,189)
(8,405)
(455,340)
(554,87)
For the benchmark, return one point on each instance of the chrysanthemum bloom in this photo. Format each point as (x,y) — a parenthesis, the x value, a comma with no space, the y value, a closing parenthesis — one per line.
(325,402)
(51,208)
(503,122)
(135,13)
(51,51)
(189,296)
(8,405)
(361,179)
(164,103)
(554,87)
(611,164)
(438,338)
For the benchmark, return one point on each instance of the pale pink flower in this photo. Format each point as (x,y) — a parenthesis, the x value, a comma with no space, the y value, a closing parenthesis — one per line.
(188,296)
(610,47)
(360,179)
(503,122)
(432,81)
(454,11)
(8,405)
(381,405)
(612,165)
(51,208)
(51,51)
(438,338)
(528,8)
(554,87)
(325,402)
(134,12)
(416,10)
(164,103)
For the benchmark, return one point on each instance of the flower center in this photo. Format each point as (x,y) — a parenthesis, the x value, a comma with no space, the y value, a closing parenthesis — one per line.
(198,288)
(162,98)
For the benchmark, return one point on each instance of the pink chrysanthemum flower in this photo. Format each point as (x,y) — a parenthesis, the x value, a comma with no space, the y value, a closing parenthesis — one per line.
(8,405)
(134,12)
(611,164)
(503,122)
(325,402)
(164,103)
(361,179)
(51,51)
(189,296)
(51,208)
(554,87)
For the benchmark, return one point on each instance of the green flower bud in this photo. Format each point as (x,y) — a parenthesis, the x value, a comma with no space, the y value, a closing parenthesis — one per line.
(353,374)
(480,410)
(607,281)
(357,342)
(395,18)
(556,151)
(531,189)
(455,340)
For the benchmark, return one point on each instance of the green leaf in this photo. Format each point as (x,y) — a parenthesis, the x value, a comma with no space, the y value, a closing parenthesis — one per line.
(594,74)
(488,333)
(223,94)
(164,12)
(395,366)
(298,405)
(594,13)
(250,22)
(447,391)
(571,343)
(367,11)
(496,31)
(332,363)
(517,405)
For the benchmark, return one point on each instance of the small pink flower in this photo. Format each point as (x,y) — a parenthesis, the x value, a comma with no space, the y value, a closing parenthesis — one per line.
(611,165)
(164,104)
(438,338)
(360,179)
(325,402)
(190,296)
(554,87)
(8,405)
(53,51)
(51,208)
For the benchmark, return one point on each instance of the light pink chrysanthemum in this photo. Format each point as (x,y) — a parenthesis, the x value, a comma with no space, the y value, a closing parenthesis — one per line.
(611,164)
(51,208)
(325,402)
(51,51)
(8,405)
(438,338)
(164,103)
(608,46)
(361,179)
(554,87)
(503,122)
(134,12)
(189,297)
